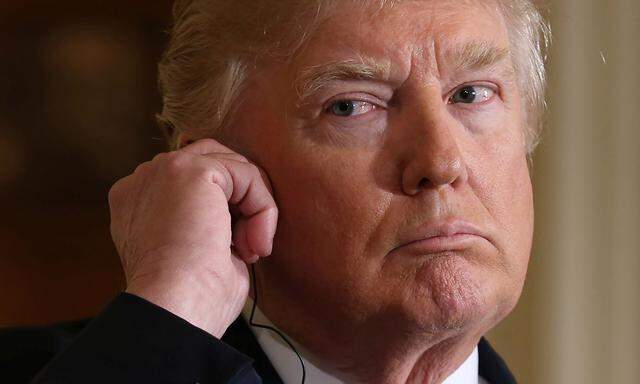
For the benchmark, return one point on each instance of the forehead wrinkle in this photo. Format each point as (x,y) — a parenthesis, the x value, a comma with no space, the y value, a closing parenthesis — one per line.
(314,78)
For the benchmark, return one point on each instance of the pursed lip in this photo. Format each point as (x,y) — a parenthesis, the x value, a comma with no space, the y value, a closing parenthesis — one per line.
(452,234)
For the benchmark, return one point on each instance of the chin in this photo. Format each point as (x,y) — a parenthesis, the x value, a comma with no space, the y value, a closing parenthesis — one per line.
(454,293)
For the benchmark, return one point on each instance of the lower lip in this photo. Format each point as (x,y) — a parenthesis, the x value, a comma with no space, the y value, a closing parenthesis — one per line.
(439,244)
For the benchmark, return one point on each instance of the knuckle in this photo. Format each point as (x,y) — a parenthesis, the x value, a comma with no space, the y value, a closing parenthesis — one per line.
(173,161)
(115,192)
(261,172)
(271,211)
(160,157)
(218,173)
(207,140)
(239,157)
(113,195)
(141,168)
(255,171)
(261,176)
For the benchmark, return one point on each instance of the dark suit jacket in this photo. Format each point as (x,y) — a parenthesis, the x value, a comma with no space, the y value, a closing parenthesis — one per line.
(135,341)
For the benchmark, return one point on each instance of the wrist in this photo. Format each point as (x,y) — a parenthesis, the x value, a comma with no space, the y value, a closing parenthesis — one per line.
(192,298)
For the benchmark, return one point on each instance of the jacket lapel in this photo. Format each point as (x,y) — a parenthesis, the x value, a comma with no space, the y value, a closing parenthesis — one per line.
(492,368)
(240,337)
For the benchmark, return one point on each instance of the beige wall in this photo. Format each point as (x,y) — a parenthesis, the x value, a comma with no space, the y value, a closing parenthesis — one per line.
(579,319)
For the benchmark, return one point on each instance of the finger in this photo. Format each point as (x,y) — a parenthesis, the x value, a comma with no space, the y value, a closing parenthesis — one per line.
(245,187)
(241,244)
(228,156)
(206,146)
(265,179)
(258,209)
(234,252)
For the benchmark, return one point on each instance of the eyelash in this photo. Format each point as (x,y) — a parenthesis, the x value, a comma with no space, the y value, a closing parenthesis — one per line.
(374,106)
(492,88)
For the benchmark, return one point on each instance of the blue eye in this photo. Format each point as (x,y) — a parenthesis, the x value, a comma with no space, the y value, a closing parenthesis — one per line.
(472,94)
(347,108)
(343,108)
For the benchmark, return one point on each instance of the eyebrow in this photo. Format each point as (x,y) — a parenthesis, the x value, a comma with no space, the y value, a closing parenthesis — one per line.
(475,55)
(471,56)
(312,79)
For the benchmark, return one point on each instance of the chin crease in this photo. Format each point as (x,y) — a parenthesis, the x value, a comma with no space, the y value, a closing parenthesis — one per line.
(458,300)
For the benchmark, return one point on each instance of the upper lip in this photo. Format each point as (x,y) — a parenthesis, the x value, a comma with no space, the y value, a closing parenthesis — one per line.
(445,228)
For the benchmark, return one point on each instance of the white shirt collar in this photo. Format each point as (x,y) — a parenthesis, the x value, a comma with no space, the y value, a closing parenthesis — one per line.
(286,363)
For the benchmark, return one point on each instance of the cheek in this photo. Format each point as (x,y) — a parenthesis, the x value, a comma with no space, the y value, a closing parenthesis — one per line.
(503,184)
(329,208)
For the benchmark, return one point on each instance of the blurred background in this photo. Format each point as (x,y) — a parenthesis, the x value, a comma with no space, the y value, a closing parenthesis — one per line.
(78,96)
(77,102)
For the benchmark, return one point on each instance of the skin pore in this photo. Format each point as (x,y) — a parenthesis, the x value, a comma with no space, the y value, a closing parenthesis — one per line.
(409,116)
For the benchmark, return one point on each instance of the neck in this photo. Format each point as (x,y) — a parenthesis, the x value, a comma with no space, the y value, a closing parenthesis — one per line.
(368,350)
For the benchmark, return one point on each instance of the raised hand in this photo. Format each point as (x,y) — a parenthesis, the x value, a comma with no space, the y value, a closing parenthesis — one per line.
(171,223)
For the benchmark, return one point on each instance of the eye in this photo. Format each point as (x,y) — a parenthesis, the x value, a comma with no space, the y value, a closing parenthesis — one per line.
(472,94)
(346,108)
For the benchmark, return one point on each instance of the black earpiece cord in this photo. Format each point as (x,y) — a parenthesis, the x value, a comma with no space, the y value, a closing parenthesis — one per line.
(253,309)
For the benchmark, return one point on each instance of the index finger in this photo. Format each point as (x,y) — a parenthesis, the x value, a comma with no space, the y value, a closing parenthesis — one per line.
(206,146)
(251,193)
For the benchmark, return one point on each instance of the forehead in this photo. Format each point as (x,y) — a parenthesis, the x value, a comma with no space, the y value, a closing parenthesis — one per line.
(405,31)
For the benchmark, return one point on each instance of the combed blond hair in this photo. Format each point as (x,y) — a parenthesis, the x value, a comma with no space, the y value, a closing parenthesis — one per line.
(214,44)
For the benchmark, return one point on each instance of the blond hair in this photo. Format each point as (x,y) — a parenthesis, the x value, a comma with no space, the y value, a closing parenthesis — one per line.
(214,43)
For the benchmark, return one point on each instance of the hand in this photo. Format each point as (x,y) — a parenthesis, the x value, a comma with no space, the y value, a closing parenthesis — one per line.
(171,224)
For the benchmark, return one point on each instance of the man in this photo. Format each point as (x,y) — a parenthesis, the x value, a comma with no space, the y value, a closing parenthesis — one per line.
(367,159)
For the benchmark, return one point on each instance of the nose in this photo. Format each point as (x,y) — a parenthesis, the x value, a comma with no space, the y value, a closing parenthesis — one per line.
(435,159)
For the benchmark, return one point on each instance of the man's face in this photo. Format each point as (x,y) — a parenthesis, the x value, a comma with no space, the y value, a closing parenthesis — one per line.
(407,124)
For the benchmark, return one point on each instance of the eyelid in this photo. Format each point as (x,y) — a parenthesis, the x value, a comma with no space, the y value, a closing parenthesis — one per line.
(362,108)
(494,88)
(355,96)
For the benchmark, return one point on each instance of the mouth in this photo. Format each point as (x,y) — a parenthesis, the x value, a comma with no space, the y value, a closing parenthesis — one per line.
(443,236)
(440,244)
